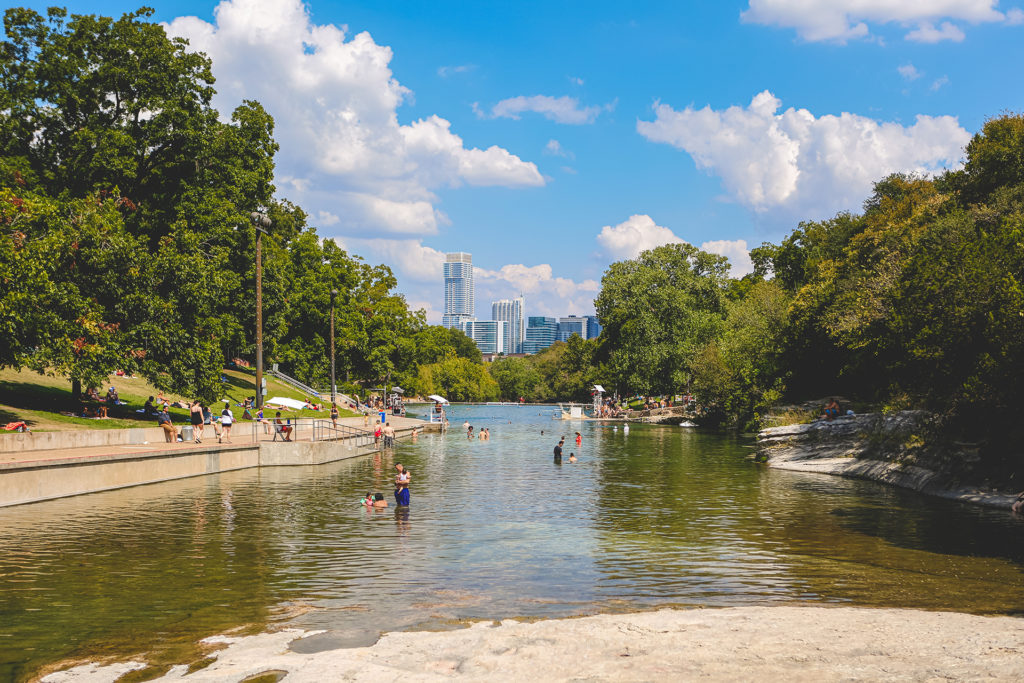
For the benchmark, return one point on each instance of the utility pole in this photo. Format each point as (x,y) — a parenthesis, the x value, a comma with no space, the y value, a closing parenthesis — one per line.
(261,222)
(334,294)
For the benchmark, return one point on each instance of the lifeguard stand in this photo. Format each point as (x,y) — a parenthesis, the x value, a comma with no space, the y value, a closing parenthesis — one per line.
(598,393)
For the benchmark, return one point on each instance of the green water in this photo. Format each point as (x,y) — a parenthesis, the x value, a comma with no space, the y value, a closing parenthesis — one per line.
(658,516)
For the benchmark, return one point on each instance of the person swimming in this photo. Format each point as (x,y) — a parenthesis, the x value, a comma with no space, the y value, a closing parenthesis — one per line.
(367,499)
(572,457)
(378,501)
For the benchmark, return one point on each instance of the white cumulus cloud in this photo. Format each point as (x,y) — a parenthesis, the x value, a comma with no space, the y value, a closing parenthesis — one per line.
(563,109)
(634,235)
(546,293)
(640,233)
(801,163)
(334,100)
(842,20)
(909,72)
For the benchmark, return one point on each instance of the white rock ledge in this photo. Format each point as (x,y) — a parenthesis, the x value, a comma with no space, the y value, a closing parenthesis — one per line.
(866,447)
(789,644)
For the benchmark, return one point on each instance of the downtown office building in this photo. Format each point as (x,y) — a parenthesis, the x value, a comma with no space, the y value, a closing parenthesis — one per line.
(459,295)
(491,336)
(511,312)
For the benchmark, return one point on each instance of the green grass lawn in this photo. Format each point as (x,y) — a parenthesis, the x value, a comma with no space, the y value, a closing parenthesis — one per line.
(42,400)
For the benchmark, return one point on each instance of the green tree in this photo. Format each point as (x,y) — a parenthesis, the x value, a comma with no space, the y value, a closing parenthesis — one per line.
(658,310)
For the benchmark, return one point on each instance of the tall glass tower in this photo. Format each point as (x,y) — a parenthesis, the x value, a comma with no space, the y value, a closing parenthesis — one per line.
(459,295)
(511,311)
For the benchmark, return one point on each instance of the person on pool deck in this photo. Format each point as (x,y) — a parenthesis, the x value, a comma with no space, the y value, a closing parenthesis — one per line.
(402,480)
(558,451)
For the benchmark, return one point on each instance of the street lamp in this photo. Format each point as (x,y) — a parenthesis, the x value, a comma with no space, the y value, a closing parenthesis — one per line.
(261,222)
(334,294)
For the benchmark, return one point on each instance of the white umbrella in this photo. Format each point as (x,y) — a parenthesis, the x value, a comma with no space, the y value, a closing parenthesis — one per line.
(289,402)
(437,399)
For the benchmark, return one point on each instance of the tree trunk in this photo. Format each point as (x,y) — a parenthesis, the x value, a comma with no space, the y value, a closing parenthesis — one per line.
(76,389)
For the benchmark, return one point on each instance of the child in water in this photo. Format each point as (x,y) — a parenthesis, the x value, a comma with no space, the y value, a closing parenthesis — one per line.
(579,439)
(572,457)
(367,499)
(378,501)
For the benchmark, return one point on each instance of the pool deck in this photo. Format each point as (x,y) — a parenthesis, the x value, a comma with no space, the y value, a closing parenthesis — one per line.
(30,475)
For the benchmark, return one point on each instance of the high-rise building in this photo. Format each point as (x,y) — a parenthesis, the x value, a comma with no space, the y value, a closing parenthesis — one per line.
(593,327)
(491,336)
(540,334)
(571,325)
(511,311)
(459,295)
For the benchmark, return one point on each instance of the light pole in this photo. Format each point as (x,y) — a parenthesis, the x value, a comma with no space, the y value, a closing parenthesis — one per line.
(261,222)
(334,294)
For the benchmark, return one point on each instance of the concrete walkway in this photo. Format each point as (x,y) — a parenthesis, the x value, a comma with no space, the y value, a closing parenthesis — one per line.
(243,433)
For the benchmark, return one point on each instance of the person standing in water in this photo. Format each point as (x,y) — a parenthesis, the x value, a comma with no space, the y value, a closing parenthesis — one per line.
(558,451)
(402,480)
(579,439)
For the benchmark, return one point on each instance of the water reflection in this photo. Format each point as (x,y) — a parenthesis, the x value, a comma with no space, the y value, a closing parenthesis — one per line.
(658,516)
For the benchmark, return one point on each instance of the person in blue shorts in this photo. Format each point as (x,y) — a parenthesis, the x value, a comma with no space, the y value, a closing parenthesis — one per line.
(402,480)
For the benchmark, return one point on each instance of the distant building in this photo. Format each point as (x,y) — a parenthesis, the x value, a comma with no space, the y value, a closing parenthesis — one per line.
(459,294)
(593,327)
(541,333)
(511,311)
(571,325)
(491,336)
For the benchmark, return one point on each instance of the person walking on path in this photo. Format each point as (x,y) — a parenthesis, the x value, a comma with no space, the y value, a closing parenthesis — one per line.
(195,411)
(334,414)
(402,480)
(227,418)
(163,419)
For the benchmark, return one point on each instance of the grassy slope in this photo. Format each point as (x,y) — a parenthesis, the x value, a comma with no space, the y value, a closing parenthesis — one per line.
(39,400)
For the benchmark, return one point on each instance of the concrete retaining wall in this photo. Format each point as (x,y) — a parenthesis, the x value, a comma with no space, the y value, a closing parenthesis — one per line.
(32,482)
(44,441)
(29,482)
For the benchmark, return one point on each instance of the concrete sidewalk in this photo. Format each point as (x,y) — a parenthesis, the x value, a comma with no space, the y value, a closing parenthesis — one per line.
(242,434)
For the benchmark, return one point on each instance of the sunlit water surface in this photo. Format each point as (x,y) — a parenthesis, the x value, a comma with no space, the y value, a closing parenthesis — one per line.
(658,516)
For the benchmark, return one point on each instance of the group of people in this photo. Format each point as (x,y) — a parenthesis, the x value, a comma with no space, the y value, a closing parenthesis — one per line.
(558,449)
(484,434)
(403,478)
(199,417)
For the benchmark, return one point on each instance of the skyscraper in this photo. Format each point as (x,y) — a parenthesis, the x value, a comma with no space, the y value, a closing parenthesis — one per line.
(491,336)
(593,327)
(459,295)
(542,333)
(511,311)
(571,325)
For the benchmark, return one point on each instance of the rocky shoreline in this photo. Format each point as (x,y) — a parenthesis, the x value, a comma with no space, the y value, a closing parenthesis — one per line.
(883,448)
(785,643)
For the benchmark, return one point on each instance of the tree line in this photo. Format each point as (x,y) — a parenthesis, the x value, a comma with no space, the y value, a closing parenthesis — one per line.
(914,302)
(125,237)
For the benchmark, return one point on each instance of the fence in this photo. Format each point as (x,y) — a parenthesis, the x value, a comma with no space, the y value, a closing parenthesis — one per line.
(308,429)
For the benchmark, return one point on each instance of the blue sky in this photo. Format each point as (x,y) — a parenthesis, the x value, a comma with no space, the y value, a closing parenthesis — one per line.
(552,138)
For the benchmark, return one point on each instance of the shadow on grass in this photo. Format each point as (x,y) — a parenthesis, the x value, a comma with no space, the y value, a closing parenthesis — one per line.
(30,396)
